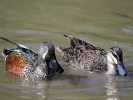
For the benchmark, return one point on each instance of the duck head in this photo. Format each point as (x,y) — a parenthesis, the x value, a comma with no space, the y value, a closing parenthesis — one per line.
(47,53)
(115,62)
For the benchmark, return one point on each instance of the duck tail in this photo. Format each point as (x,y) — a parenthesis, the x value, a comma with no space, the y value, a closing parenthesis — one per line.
(60,49)
(17,44)
(69,37)
(73,41)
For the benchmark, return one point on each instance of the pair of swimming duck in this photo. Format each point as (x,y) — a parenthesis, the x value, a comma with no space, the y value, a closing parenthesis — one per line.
(80,55)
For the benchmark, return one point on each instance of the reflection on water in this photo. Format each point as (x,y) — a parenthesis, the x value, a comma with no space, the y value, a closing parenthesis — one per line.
(26,89)
(112,91)
(127,30)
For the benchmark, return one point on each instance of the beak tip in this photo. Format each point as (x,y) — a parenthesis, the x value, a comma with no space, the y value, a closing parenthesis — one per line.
(125,74)
(121,70)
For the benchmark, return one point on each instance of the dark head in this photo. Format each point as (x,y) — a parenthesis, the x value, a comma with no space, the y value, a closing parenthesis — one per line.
(117,59)
(47,52)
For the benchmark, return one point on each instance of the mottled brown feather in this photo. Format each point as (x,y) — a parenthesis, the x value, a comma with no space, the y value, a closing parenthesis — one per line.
(84,56)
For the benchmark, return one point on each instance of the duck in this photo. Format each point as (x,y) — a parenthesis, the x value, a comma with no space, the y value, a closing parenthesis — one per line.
(89,58)
(27,63)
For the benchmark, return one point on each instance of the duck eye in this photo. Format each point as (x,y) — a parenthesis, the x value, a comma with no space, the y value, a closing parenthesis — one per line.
(114,55)
(45,49)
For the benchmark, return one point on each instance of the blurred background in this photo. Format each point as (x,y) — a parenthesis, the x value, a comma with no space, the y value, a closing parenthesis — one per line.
(105,23)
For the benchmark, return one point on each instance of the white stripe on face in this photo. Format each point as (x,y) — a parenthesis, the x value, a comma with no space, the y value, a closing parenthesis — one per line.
(45,52)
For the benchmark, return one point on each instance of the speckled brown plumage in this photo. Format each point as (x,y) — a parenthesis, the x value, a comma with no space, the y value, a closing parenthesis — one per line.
(84,56)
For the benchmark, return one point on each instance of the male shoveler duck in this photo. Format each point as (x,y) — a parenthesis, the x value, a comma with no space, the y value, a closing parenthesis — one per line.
(24,62)
(90,58)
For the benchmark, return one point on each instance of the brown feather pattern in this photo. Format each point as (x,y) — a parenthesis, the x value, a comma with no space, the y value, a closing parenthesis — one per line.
(84,56)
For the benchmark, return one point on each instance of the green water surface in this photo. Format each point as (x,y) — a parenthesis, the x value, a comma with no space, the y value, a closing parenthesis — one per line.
(105,23)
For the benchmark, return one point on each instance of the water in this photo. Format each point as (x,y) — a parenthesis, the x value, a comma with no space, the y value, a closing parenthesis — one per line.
(101,22)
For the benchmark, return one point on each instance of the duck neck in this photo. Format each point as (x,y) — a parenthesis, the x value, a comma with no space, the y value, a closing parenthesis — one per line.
(111,69)
(110,65)
(42,64)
